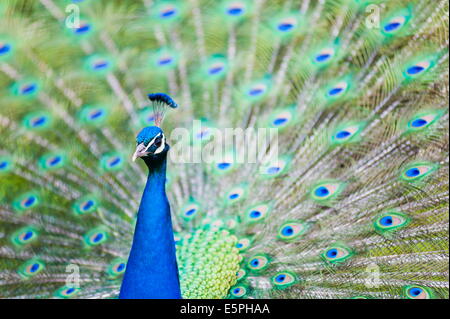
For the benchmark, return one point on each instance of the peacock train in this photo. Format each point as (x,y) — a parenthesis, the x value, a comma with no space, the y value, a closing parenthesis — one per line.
(346,196)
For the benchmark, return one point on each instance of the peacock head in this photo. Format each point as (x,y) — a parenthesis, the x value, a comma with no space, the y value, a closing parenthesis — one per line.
(151,144)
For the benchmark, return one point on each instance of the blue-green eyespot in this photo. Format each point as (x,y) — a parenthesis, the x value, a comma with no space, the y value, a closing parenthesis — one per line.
(24,236)
(243,244)
(292,230)
(258,212)
(417,292)
(347,132)
(284,279)
(66,292)
(423,120)
(258,262)
(238,291)
(190,210)
(96,236)
(337,253)
(326,190)
(116,267)
(390,221)
(417,171)
(31,268)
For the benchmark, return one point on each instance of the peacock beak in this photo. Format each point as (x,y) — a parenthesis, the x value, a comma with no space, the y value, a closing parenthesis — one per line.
(141,150)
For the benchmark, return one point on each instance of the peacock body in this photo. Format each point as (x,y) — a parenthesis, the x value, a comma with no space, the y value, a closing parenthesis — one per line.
(354,206)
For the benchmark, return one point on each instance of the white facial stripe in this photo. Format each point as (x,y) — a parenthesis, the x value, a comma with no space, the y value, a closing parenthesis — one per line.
(141,149)
(151,142)
(163,144)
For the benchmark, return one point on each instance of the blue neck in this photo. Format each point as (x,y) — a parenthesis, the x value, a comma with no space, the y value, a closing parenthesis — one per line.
(152,271)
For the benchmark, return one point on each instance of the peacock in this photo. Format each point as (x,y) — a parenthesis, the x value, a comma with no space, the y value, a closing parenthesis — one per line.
(334,185)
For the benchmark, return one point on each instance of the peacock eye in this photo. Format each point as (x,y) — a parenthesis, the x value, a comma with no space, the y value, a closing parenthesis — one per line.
(24,236)
(95,236)
(258,262)
(418,171)
(190,210)
(347,132)
(336,253)
(417,292)
(326,191)
(390,221)
(291,230)
(236,194)
(158,141)
(240,274)
(30,268)
(117,267)
(287,24)
(243,244)
(5,164)
(4,48)
(284,279)
(238,291)
(66,292)
(168,12)
(337,90)
(324,55)
(394,24)
(257,212)
(85,205)
(416,69)
(26,201)
(424,120)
